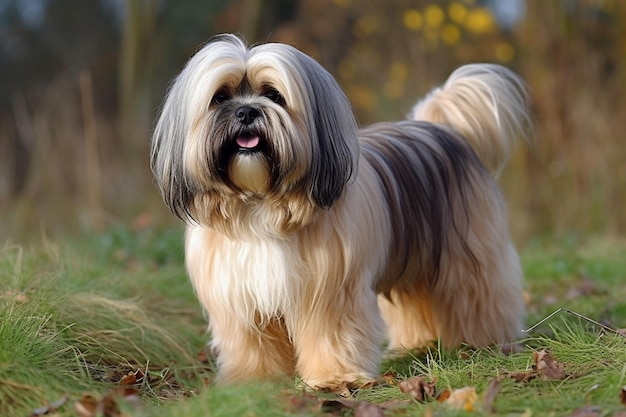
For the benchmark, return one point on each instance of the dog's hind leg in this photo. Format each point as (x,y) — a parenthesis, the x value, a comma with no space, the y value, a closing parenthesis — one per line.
(484,306)
(409,320)
(476,301)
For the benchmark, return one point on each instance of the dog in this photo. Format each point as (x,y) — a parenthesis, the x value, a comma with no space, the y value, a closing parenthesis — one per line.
(309,242)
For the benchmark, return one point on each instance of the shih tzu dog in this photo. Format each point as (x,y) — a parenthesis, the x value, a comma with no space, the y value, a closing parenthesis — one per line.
(309,242)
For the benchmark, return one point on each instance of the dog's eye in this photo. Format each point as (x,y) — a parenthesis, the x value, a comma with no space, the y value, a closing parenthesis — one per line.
(274,95)
(220,97)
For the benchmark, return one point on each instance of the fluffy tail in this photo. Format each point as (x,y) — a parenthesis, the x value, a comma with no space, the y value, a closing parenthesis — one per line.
(487,104)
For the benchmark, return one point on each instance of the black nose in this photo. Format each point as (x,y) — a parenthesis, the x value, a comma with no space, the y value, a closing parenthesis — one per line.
(246,114)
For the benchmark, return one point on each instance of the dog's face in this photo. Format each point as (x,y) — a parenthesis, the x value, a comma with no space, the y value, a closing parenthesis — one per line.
(240,127)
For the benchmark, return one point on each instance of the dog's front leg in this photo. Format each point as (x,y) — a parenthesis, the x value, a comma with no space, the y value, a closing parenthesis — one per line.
(338,339)
(245,352)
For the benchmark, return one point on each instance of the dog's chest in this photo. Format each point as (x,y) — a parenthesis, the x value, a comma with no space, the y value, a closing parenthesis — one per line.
(258,279)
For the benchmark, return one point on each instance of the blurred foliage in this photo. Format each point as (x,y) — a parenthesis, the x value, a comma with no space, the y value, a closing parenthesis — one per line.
(82,81)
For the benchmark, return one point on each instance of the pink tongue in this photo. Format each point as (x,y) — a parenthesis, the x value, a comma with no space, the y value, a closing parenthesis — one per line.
(247,141)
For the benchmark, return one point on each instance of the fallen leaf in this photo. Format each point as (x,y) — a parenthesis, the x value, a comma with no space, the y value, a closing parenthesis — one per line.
(390,377)
(366,409)
(462,398)
(590,411)
(443,395)
(490,395)
(132,378)
(391,404)
(548,367)
(511,348)
(50,408)
(524,376)
(107,406)
(203,357)
(346,389)
(418,388)
(338,405)
(87,406)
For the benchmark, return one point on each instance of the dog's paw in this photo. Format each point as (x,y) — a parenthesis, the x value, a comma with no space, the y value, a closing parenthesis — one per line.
(345,388)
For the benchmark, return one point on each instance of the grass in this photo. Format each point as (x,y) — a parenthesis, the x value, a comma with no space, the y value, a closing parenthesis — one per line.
(77,317)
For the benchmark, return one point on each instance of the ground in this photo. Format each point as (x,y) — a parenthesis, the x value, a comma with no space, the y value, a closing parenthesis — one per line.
(108,325)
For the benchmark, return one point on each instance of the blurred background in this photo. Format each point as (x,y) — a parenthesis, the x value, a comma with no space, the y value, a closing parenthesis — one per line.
(81,82)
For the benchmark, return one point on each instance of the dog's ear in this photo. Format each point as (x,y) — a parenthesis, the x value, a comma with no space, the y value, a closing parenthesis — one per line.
(186,93)
(333,132)
(166,153)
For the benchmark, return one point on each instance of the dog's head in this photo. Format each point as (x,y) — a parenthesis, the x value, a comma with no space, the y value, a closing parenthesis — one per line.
(242,126)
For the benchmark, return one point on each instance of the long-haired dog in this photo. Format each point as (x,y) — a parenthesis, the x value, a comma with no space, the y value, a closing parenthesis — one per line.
(310,241)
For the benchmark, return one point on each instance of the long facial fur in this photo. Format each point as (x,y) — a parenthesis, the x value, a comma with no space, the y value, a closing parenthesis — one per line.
(288,268)
(310,153)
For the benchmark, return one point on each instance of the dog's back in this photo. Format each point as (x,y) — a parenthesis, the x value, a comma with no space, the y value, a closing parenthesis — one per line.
(453,273)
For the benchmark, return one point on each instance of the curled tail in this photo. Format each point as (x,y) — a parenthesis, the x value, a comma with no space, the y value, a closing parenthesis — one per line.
(487,104)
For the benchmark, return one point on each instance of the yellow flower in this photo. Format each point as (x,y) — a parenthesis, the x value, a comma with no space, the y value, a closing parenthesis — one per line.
(434,16)
(504,51)
(457,12)
(451,34)
(413,19)
(479,21)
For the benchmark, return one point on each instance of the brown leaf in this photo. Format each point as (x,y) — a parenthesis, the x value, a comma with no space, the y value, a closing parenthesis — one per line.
(87,406)
(17,296)
(366,409)
(589,411)
(490,395)
(443,395)
(203,357)
(391,404)
(337,405)
(524,376)
(132,378)
(548,367)
(130,383)
(418,388)
(108,406)
(345,388)
(296,404)
(622,396)
(511,348)
(462,398)
(390,377)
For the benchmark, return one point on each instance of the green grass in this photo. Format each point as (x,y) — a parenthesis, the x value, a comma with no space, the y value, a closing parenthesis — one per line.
(77,316)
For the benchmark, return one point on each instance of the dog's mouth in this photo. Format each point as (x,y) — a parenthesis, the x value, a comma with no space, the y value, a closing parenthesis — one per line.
(248,142)
(247,163)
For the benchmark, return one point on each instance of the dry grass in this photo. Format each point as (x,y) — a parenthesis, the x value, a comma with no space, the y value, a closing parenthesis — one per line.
(66,165)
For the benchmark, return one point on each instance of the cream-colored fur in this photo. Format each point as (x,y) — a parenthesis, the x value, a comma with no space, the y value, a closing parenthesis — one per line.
(327,240)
